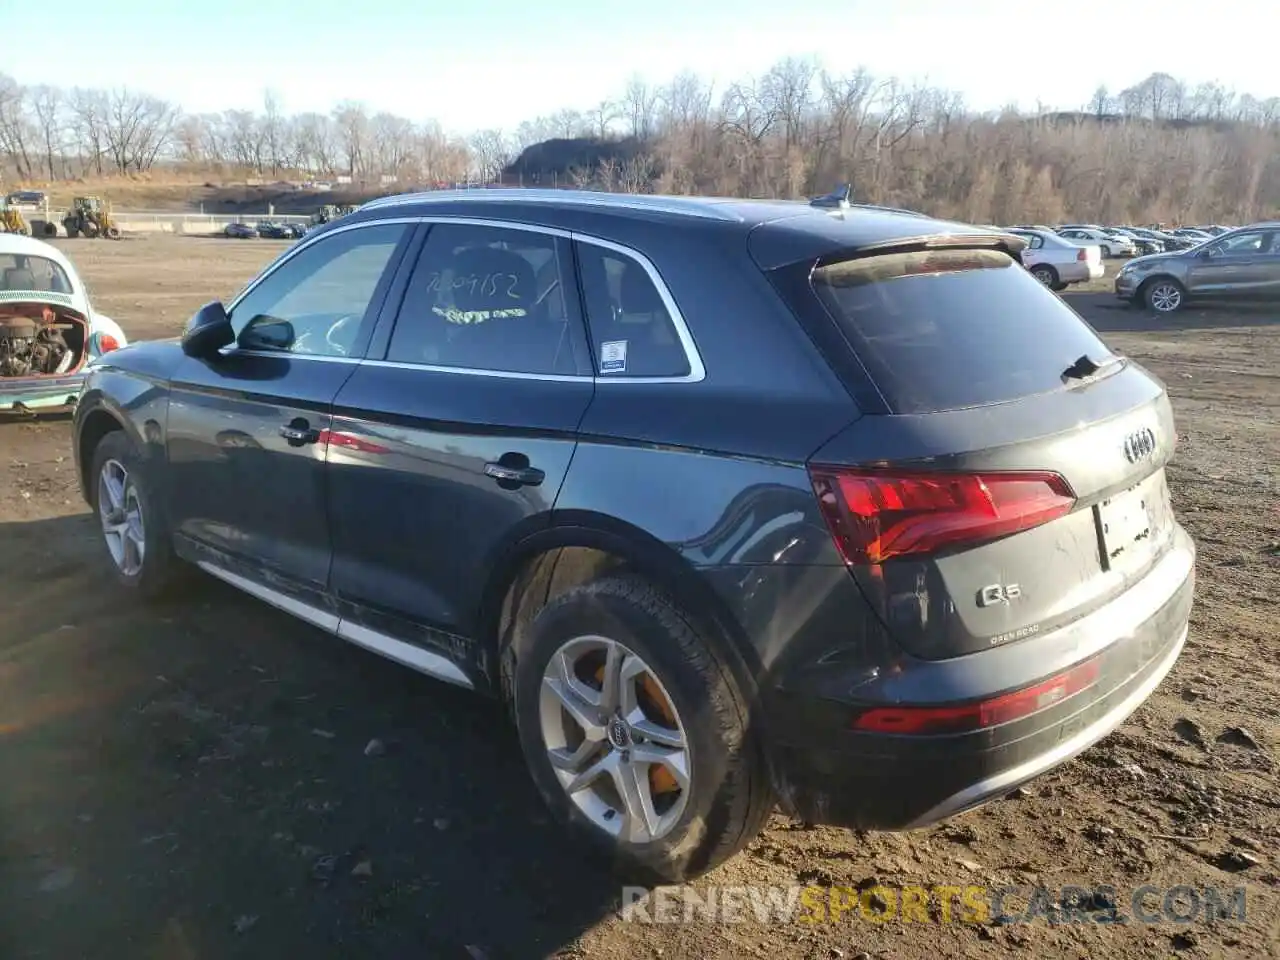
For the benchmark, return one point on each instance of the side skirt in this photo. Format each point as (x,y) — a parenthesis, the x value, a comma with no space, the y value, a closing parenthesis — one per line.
(282,596)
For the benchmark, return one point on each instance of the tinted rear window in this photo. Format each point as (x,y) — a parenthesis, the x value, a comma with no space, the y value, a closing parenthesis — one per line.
(944,329)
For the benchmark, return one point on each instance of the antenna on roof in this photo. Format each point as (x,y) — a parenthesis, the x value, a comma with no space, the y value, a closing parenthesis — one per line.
(837,199)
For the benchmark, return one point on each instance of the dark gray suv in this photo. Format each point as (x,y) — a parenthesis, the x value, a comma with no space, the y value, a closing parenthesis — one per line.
(734,503)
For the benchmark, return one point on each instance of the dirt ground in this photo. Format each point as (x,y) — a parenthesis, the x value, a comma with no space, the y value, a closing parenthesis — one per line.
(191,780)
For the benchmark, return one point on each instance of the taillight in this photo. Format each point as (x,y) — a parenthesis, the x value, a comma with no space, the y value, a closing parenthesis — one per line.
(981,714)
(107,343)
(877,515)
(1082,254)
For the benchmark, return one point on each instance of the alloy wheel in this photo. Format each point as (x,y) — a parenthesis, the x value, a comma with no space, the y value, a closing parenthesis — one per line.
(614,739)
(120,511)
(1165,298)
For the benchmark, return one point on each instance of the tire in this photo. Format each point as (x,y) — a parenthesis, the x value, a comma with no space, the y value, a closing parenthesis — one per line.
(157,568)
(726,797)
(1164,295)
(1045,274)
(1058,287)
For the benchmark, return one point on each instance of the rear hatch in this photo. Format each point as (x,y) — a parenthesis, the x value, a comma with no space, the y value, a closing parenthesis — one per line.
(1007,477)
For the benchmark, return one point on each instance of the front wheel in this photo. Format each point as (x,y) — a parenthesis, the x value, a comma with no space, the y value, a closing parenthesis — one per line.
(636,732)
(1164,295)
(133,528)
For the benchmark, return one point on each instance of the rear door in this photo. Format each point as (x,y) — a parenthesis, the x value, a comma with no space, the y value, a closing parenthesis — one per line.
(1011,476)
(246,431)
(454,438)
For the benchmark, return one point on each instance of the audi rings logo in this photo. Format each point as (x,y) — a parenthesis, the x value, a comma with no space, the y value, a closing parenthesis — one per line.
(1140,445)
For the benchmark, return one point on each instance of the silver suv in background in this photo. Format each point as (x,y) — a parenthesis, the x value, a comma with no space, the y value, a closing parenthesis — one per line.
(1240,264)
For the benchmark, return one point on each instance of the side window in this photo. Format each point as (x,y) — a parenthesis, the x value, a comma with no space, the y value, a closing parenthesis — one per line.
(316,302)
(492,298)
(1036,242)
(1243,244)
(632,333)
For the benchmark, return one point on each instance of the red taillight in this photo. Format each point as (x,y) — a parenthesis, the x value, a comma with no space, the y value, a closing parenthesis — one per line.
(877,515)
(107,343)
(983,713)
(1082,254)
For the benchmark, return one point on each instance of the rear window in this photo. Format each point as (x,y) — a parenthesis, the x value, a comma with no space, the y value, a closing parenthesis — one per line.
(944,329)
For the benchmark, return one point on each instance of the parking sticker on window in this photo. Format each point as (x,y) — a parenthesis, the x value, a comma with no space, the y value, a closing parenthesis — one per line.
(613,356)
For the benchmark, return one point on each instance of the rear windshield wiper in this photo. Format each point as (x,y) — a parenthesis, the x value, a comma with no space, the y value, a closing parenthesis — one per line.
(1084,368)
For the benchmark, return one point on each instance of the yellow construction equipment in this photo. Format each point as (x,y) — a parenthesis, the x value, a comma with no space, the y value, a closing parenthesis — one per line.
(12,220)
(90,217)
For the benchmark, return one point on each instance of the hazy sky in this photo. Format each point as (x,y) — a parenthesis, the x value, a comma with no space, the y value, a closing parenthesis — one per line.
(484,63)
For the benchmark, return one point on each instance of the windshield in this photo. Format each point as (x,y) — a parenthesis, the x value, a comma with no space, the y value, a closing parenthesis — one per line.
(22,272)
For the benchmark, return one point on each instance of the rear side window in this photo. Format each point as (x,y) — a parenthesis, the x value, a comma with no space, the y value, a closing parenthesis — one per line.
(632,332)
(944,329)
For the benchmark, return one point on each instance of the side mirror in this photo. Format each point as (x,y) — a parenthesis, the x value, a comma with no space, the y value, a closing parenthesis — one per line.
(208,331)
(267,333)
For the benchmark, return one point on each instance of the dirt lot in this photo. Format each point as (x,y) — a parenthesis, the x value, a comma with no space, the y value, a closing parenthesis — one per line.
(191,781)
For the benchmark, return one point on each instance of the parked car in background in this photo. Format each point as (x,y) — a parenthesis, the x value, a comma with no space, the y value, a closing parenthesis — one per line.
(1058,262)
(1241,264)
(26,198)
(1112,245)
(49,331)
(270,230)
(295,230)
(1193,234)
(241,231)
(923,552)
(1141,245)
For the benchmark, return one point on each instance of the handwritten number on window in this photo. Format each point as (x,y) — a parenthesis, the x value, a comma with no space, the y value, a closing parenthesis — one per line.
(483,284)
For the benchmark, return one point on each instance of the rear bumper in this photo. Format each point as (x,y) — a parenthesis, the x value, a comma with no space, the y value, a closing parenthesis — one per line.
(40,393)
(902,782)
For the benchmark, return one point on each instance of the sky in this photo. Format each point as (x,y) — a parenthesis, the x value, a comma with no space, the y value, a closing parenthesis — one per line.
(475,64)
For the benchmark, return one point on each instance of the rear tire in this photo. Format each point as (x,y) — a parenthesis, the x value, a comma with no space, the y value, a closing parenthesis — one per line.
(135,534)
(675,698)
(1045,274)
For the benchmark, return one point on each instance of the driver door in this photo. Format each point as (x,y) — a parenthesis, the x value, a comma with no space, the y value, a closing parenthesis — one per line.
(246,433)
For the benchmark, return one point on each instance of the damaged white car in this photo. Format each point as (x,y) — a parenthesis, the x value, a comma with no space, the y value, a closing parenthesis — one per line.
(49,331)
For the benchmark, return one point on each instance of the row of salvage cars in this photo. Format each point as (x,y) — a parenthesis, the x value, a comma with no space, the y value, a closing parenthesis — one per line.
(49,330)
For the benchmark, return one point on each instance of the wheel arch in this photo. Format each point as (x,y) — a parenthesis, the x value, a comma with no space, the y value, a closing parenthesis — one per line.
(581,546)
(96,416)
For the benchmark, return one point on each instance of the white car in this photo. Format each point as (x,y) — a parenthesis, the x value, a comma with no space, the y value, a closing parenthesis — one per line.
(49,332)
(1057,262)
(1111,244)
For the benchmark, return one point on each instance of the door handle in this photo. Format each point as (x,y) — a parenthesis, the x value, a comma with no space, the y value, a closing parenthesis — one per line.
(298,432)
(513,475)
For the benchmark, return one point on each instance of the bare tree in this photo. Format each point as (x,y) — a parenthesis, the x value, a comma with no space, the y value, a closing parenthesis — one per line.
(46,103)
(491,153)
(352,121)
(640,104)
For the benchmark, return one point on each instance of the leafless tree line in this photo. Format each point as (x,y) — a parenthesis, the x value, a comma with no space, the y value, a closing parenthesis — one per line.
(1159,150)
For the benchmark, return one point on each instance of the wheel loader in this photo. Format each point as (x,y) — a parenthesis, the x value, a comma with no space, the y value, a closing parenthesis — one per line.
(12,220)
(90,217)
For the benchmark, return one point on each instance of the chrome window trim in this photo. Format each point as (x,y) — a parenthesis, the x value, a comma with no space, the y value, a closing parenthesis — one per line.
(697,370)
